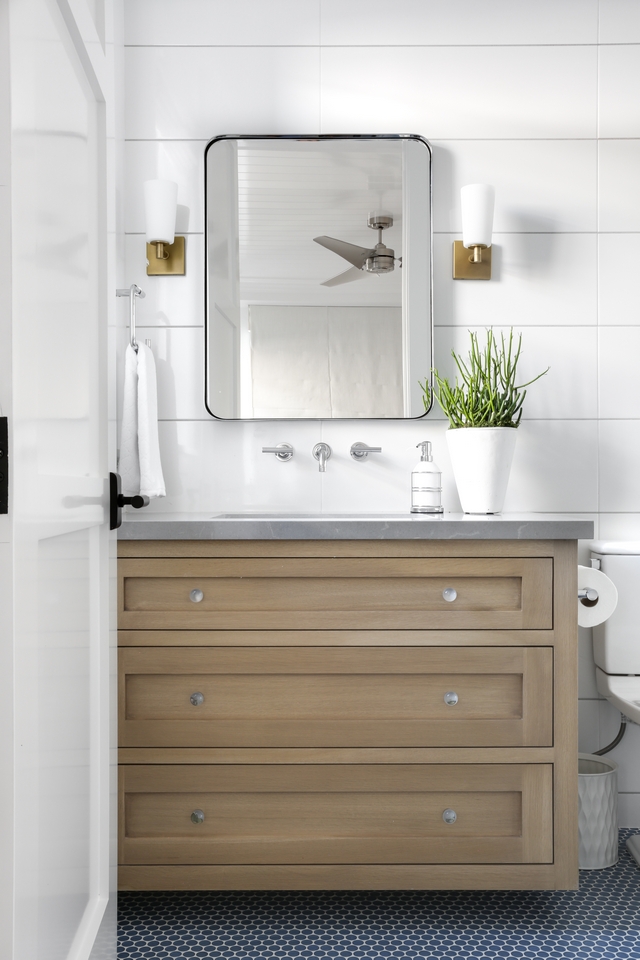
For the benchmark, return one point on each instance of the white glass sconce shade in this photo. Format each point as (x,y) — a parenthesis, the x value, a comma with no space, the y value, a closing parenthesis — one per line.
(477,201)
(160,204)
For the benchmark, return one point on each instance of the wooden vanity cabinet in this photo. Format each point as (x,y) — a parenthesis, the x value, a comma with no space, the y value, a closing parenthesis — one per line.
(347,714)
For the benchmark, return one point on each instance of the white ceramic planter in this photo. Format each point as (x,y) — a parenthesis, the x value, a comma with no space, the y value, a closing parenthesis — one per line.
(481,459)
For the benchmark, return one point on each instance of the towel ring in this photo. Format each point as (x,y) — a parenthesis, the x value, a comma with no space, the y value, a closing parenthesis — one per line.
(132,292)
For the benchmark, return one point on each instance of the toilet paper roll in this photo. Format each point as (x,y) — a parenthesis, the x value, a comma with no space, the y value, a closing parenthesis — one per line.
(589,616)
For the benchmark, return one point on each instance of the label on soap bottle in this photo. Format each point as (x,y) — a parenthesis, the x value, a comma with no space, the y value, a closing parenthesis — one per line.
(426,492)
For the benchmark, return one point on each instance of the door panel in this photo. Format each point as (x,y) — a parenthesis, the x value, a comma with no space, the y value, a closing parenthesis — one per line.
(60,462)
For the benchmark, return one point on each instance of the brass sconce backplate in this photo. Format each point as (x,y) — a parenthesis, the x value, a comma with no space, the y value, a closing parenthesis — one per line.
(464,269)
(173,266)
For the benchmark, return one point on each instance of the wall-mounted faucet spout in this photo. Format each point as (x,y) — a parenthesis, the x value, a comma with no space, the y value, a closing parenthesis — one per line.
(322,453)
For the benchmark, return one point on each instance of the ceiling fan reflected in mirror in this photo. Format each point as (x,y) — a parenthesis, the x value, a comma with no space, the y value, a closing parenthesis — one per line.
(367,261)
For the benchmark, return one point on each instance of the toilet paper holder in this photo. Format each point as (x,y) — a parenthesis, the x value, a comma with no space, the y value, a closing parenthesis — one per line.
(588,596)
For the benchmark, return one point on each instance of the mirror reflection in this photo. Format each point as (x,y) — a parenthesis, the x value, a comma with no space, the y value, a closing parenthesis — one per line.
(318,277)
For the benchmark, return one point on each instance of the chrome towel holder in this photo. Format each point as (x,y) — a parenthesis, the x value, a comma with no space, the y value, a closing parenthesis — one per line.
(132,292)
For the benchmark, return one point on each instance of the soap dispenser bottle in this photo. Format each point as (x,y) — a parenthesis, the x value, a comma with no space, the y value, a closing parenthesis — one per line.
(426,483)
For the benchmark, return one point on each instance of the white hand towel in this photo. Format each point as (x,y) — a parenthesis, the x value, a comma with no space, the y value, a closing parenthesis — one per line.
(151,478)
(140,466)
(129,463)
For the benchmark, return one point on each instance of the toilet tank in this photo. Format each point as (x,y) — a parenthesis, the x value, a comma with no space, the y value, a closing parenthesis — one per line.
(616,642)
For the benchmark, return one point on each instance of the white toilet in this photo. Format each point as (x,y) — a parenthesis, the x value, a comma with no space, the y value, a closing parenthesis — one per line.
(616,642)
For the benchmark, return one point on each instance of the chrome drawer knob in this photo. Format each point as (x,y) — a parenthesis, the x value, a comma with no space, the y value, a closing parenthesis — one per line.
(448,815)
(450,698)
(197,698)
(449,594)
(197,816)
(196,596)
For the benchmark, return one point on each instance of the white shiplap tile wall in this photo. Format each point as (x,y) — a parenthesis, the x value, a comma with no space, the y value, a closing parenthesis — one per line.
(542,186)
(619,21)
(551,90)
(430,22)
(551,78)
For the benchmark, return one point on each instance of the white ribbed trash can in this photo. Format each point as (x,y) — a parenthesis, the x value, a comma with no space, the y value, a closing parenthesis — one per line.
(598,811)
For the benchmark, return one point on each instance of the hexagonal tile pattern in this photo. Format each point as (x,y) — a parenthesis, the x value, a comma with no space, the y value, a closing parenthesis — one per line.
(601,920)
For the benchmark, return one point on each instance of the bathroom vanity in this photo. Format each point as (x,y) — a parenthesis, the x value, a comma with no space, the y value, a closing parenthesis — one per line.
(339,703)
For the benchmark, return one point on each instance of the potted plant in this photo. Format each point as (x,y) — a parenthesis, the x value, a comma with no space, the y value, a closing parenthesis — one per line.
(484,409)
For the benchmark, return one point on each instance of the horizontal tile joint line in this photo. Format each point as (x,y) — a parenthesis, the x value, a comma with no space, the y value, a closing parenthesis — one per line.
(154,326)
(434,142)
(417,422)
(537,326)
(498,232)
(360,46)
(536,233)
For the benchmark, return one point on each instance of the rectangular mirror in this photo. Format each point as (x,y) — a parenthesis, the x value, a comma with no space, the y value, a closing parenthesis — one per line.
(318,276)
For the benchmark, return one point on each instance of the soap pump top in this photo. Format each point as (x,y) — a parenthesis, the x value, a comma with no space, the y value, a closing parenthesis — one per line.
(425,451)
(426,482)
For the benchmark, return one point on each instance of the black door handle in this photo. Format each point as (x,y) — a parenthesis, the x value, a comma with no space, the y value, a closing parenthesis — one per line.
(117,501)
(137,501)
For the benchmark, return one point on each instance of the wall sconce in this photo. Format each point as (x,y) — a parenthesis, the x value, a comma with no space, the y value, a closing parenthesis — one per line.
(165,251)
(472,254)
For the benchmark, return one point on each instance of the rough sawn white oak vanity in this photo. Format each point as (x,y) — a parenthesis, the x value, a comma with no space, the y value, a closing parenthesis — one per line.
(312,711)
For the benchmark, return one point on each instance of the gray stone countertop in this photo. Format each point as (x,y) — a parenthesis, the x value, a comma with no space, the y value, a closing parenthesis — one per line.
(393,526)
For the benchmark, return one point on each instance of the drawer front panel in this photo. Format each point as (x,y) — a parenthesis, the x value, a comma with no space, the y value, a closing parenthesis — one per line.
(336,814)
(356,593)
(336,697)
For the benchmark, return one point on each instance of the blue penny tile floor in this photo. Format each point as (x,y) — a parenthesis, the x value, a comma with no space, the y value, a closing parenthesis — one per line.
(601,920)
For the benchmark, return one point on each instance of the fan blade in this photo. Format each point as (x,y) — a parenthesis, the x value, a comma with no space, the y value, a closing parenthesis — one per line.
(348,251)
(351,274)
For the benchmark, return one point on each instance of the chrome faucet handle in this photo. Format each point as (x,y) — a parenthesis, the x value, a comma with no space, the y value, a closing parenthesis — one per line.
(283,451)
(322,453)
(360,451)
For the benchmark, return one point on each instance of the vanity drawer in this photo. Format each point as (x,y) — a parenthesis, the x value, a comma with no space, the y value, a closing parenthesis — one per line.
(342,813)
(379,593)
(335,697)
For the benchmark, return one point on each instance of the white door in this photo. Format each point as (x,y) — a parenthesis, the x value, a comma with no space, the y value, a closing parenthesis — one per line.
(60,456)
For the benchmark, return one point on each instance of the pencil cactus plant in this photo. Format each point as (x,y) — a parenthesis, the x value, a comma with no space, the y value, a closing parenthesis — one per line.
(485,392)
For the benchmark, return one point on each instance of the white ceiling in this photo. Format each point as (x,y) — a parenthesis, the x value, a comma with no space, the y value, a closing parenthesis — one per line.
(290,192)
